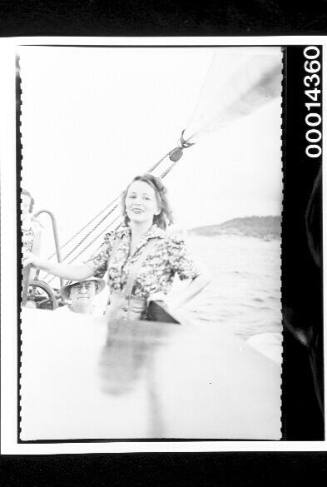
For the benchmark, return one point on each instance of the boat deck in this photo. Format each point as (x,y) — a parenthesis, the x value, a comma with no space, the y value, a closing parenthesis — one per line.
(82,378)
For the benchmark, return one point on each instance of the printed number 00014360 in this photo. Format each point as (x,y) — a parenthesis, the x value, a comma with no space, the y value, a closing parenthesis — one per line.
(313,119)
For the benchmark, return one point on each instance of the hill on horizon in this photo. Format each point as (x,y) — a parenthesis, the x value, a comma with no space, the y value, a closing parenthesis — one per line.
(266,227)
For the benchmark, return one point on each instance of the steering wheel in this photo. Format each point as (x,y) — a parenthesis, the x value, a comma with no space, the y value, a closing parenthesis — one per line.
(42,295)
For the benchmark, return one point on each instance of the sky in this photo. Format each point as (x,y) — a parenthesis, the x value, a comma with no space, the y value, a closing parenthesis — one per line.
(92,118)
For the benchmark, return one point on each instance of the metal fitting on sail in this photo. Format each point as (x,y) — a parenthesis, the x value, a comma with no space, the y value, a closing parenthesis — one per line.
(176,154)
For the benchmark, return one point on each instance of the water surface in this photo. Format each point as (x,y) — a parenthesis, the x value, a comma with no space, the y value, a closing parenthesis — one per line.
(245,288)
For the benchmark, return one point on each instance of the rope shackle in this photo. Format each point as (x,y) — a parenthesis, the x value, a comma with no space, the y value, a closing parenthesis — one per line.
(176,154)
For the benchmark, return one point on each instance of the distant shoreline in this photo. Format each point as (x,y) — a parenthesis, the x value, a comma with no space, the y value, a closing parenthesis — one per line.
(264,227)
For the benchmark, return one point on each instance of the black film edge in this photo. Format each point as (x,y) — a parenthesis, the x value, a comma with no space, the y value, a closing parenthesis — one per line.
(302,274)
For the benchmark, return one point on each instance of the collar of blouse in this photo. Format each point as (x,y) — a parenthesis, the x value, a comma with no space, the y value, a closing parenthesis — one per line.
(154,232)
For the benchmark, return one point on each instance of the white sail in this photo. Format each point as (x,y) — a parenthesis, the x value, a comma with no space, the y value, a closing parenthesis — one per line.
(238,82)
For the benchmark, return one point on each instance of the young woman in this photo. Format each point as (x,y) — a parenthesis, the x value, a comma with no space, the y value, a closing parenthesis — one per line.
(140,257)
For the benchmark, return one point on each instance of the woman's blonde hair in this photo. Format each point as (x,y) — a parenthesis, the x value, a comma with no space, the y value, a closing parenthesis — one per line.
(164,218)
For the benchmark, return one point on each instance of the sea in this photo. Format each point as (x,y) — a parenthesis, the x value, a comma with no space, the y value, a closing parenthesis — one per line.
(244,293)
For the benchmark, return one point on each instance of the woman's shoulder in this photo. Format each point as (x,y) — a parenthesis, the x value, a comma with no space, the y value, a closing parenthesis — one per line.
(114,235)
(176,237)
(108,236)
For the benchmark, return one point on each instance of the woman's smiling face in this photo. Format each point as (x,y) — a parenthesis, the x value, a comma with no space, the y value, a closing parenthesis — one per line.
(141,202)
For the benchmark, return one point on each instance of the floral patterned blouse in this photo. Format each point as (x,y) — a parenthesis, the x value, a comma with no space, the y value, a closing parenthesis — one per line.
(168,256)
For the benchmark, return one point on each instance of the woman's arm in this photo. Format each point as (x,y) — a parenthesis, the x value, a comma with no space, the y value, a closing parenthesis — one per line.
(194,280)
(66,271)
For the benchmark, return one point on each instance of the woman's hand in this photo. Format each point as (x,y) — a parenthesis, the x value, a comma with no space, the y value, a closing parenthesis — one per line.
(33,260)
